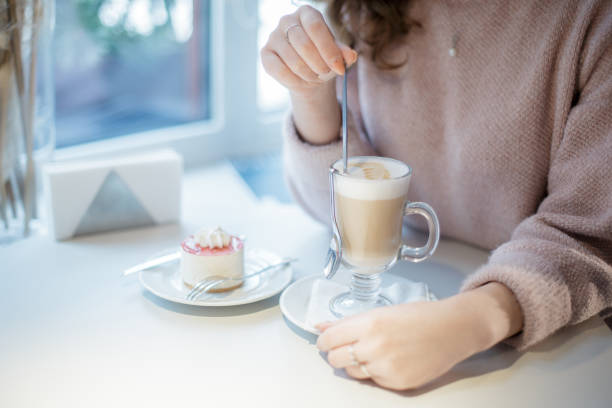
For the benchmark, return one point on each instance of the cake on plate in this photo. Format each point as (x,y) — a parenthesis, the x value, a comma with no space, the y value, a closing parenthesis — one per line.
(212,252)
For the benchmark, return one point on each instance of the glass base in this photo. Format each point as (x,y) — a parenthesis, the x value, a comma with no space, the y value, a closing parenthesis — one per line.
(345,304)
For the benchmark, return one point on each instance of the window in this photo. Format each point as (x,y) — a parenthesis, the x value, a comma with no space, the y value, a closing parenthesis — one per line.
(127,66)
(271,96)
(183,74)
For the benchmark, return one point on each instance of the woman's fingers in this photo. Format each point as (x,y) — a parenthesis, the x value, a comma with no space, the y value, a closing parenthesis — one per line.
(357,372)
(350,57)
(315,27)
(296,63)
(305,48)
(350,358)
(274,66)
(324,326)
(340,357)
(302,52)
(346,356)
(345,332)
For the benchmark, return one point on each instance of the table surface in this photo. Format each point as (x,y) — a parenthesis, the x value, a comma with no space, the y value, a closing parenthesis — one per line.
(74,333)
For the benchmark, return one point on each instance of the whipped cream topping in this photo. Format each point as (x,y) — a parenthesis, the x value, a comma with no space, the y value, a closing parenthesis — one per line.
(212,238)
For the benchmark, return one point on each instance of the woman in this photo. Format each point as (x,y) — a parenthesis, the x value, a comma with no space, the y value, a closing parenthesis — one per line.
(504,111)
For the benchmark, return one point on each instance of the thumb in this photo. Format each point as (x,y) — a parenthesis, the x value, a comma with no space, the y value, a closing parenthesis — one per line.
(349,54)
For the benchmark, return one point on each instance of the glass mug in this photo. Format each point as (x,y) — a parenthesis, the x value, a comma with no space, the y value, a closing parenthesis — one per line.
(368,204)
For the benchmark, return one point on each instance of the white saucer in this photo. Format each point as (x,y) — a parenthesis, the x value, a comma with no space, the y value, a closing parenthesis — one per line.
(294,300)
(166,282)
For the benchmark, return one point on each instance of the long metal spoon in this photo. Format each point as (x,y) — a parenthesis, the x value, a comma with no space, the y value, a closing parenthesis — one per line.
(334,254)
(344,127)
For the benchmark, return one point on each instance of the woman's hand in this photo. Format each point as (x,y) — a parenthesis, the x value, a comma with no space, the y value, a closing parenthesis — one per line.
(408,345)
(302,54)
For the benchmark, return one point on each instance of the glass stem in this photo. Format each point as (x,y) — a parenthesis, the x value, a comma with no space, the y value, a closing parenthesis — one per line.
(365,288)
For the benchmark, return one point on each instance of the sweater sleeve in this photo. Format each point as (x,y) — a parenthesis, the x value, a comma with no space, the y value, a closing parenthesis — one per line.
(558,262)
(307,165)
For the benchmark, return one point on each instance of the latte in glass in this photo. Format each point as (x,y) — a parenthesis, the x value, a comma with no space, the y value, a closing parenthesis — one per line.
(369,205)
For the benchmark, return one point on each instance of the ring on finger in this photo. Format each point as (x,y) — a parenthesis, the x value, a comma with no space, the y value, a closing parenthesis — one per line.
(289,28)
(364,370)
(351,351)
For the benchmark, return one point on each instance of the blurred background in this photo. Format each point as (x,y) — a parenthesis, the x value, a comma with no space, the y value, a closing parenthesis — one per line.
(185,74)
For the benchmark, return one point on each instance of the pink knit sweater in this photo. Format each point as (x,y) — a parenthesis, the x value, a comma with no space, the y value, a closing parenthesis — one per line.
(510,141)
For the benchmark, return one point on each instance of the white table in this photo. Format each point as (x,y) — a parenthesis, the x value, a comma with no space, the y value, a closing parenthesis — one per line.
(75,334)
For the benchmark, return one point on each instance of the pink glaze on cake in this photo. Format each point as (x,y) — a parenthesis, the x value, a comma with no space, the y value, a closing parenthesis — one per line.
(190,245)
(212,252)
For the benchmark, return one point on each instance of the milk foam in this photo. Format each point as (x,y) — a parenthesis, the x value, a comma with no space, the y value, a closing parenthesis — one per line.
(356,185)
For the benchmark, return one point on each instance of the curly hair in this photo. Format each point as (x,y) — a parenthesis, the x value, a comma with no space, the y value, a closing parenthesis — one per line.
(375,23)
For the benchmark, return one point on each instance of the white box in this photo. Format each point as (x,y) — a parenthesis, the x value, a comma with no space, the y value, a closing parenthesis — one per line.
(85,197)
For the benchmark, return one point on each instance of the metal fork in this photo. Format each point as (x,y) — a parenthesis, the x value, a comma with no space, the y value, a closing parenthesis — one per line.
(210,282)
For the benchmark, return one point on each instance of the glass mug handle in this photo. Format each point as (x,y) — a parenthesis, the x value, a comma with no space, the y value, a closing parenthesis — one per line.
(418,254)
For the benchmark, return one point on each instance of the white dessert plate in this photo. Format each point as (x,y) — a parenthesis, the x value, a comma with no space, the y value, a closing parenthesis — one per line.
(165,281)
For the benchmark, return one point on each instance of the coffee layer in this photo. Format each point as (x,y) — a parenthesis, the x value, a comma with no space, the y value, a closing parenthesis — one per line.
(370,230)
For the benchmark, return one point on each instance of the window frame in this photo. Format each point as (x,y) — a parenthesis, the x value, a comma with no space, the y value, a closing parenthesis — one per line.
(236,126)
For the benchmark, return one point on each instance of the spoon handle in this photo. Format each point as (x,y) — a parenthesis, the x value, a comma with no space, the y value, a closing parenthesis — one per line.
(344,127)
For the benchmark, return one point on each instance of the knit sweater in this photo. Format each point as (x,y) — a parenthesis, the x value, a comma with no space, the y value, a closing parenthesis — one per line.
(510,141)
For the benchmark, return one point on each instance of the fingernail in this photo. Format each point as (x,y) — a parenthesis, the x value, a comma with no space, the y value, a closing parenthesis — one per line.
(338,66)
(354,56)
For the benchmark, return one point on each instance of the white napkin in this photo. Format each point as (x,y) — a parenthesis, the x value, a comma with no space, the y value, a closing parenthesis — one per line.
(323,290)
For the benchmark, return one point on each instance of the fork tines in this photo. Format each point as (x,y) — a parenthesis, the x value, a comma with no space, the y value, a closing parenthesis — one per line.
(202,287)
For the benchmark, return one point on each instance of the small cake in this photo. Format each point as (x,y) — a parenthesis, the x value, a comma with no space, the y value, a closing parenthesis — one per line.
(212,252)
